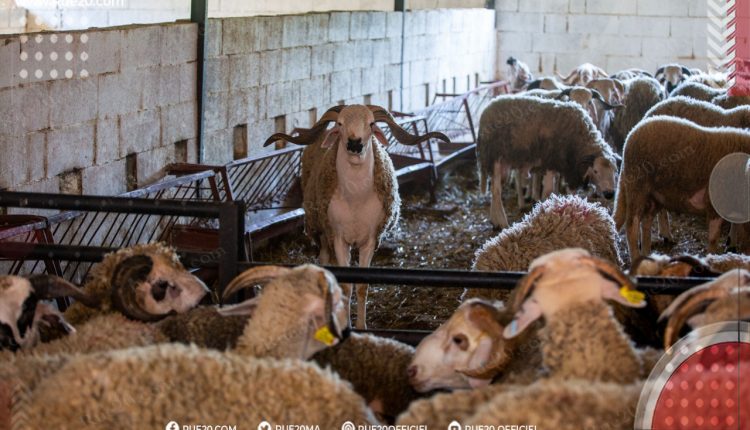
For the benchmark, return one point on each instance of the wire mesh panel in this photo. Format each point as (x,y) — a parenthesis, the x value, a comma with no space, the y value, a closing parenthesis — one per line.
(267,181)
(27,229)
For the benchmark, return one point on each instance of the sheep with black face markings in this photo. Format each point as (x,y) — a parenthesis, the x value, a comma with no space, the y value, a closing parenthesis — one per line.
(656,176)
(518,132)
(350,192)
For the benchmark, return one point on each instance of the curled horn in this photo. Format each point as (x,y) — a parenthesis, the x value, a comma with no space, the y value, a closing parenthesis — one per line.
(563,93)
(327,287)
(697,267)
(597,95)
(52,287)
(254,276)
(609,271)
(659,71)
(403,136)
(489,369)
(525,286)
(686,71)
(127,273)
(308,136)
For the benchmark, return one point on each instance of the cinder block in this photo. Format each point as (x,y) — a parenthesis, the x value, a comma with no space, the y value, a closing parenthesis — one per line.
(416,73)
(338,26)
(70,148)
(271,67)
(564,43)
(218,147)
(178,122)
(545,6)
(169,85)
(377,28)
(119,93)
(239,107)
(518,42)
(322,59)
(36,153)
(103,48)
(13,163)
(140,46)
(359,25)
(345,56)
(150,87)
(614,45)
(341,85)
(139,132)
(521,22)
(188,82)
(51,185)
(391,77)
(372,80)
(364,53)
(567,62)
(616,63)
(107,140)
(107,179)
(294,30)
(240,35)
(243,71)
(612,7)
(577,6)
(151,163)
(258,132)
(71,101)
(393,22)
(698,8)
(644,26)
(213,37)
(179,43)
(506,5)
(396,49)
(687,27)
(318,29)
(356,82)
(216,74)
(9,62)
(215,111)
(314,91)
(593,24)
(674,48)
(297,63)
(297,119)
(268,32)
(415,23)
(671,8)
(281,98)
(555,23)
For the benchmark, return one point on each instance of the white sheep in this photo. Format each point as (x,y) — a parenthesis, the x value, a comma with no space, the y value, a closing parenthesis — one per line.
(627,74)
(23,311)
(350,192)
(519,132)
(520,74)
(549,83)
(702,113)
(672,158)
(583,74)
(556,223)
(671,75)
(696,90)
(641,94)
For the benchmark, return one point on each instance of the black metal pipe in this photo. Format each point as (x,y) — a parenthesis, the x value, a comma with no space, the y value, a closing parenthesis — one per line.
(199,15)
(110,204)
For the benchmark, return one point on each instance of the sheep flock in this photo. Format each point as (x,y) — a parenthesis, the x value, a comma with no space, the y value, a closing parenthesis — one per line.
(600,163)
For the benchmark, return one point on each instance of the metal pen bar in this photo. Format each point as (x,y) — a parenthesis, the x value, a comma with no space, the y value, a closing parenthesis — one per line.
(109,204)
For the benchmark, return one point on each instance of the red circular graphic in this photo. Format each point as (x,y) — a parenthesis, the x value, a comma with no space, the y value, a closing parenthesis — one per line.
(710,390)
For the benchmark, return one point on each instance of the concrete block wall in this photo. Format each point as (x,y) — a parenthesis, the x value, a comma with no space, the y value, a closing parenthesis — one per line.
(78,108)
(557,35)
(280,72)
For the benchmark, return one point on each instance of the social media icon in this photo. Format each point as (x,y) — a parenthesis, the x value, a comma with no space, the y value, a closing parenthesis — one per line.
(172,425)
(348,426)
(454,426)
(264,425)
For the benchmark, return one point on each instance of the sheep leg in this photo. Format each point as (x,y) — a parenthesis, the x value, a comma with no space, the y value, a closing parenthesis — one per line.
(497,211)
(665,231)
(714,231)
(646,222)
(343,258)
(520,182)
(549,183)
(365,257)
(536,187)
(631,235)
(325,254)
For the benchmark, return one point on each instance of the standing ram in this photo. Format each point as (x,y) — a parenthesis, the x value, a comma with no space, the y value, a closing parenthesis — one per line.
(349,187)
(517,132)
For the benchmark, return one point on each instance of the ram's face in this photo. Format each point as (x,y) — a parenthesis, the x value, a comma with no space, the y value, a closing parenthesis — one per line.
(355,126)
(673,76)
(17,308)
(603,174)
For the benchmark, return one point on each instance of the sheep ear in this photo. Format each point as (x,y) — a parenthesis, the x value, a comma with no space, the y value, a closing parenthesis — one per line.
(314,308)
(530,312)
(378,133)
(246,308)
(331,137)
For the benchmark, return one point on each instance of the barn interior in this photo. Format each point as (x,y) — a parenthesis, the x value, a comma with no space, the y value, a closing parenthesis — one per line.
(353,214)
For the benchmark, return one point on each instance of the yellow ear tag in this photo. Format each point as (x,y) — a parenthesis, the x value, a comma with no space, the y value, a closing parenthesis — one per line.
(632,296)
(325,336)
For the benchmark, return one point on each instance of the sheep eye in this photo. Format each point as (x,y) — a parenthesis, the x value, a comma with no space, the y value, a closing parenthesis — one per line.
(461,341)
(372,123)
(338,123)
